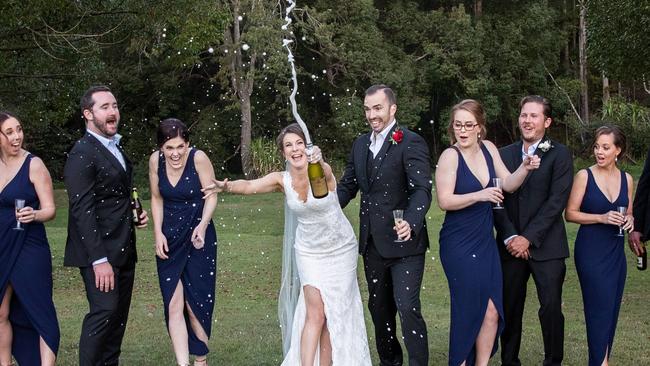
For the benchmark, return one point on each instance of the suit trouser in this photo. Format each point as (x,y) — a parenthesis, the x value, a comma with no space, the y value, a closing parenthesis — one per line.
(394,286)
(549,278)
(104,325)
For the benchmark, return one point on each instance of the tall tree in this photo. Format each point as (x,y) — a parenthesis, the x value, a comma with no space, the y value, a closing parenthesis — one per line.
(584,93)
(252,36)
(618,38)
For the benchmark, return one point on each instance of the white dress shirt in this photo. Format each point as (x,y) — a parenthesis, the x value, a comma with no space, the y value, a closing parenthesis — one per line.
(377,139)
(531,152)
(111,145)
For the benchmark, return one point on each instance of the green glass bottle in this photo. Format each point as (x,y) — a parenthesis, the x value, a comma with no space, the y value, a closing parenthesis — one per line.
(136,207)
(316,178)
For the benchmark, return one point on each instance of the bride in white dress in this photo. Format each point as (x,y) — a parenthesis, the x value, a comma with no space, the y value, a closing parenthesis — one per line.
(320,309)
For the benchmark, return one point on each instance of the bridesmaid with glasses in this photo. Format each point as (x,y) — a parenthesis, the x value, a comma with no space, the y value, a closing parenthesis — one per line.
(468,250)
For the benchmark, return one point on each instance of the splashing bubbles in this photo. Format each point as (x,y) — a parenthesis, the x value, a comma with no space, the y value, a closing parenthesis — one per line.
(245,47)
(294,77)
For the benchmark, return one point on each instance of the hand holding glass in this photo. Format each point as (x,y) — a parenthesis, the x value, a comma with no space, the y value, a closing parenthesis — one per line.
(398,216)
(496,182)
(622,210)
(20,204)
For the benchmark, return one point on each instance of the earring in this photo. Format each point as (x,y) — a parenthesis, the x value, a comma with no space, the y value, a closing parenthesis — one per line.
(479,136)
(616,158)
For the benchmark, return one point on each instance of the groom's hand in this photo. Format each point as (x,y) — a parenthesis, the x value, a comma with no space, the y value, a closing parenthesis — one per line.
(403,230)
(518,247)
(104,279)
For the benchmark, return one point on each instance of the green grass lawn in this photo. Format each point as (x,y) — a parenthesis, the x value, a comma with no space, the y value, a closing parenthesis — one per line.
(245,329)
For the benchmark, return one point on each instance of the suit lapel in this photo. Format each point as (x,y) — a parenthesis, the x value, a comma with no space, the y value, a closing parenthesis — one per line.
(362,170)
(127,162)
(109,156)
(381,156)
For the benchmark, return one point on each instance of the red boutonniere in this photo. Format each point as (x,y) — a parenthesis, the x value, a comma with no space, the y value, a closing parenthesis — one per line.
(397,136)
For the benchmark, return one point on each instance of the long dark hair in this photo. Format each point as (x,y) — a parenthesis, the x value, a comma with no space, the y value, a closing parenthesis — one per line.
(171,128)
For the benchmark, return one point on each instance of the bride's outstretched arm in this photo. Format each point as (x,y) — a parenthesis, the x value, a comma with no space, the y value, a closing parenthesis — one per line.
(271,182)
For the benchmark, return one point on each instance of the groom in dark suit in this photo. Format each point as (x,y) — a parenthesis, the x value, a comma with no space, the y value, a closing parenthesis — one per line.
(101,235)
(530,233)
(391,167)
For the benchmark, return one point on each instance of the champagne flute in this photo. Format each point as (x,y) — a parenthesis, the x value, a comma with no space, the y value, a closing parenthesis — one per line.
(497,183)
(20,204)
(622,210)
(398,216)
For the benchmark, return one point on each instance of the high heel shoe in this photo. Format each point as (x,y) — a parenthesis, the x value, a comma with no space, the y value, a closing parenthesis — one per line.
(201,361)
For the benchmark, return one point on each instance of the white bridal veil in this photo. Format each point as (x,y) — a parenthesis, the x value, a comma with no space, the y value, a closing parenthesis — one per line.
(290,286)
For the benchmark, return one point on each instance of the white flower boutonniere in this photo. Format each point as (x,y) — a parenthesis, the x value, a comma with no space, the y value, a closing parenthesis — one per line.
(545,146)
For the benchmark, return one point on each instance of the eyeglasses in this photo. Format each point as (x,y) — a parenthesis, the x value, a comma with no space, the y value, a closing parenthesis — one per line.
(469,126)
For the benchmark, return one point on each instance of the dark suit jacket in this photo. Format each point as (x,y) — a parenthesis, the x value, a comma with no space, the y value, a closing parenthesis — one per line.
(535,209)
(400,179)
(100,221)
(641,210)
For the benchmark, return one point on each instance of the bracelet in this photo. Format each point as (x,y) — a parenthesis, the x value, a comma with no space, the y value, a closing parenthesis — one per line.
(228,187)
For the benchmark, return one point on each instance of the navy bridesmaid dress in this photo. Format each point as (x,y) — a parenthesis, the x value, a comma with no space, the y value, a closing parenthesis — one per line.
(195,268)
(470,258)
(600,262)
(26,265)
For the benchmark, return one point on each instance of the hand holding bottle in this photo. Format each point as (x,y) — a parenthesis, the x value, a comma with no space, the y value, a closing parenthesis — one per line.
(314,155)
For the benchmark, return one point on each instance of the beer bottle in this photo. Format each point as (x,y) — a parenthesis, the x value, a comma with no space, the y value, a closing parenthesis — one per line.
(136,207)
(642,260)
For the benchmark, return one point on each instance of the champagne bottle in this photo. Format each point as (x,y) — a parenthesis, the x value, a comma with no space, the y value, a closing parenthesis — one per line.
(642,261)
(136,207)
(316,178)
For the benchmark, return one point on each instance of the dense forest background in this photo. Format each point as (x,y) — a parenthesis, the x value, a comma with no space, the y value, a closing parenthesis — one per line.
(219,66)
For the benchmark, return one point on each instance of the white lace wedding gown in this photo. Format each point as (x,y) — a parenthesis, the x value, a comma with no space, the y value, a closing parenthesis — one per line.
(326,252)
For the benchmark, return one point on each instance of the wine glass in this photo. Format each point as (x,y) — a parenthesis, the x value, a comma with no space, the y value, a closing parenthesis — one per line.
(398,216)
(622,210)
(20,204)
(497,183)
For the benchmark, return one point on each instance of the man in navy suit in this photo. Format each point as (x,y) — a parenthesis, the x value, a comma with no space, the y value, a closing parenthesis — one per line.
(391,166)
(531,235)
(101,237)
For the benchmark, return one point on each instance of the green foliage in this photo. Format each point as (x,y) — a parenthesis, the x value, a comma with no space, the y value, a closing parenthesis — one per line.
(181,59)
(634,119)
(265,157)
(618,41)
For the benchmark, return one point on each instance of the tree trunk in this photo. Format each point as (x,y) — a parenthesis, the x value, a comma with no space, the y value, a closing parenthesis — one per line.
(606,95)
(246,128)
(242,85)
(582,46)
(478,8)
(566,54)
